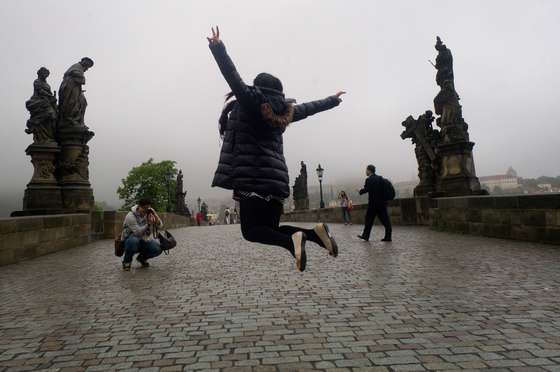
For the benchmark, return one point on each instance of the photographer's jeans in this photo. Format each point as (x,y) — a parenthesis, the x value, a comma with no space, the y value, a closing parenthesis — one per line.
(132,245)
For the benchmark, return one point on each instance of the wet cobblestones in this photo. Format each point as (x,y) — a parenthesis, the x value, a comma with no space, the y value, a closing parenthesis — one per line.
(428,301)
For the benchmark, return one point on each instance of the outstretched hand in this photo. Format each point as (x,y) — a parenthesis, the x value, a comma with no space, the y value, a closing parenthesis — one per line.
(215,39)
(340,94)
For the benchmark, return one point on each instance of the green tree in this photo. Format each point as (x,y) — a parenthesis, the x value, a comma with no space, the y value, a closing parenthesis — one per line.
(152,180)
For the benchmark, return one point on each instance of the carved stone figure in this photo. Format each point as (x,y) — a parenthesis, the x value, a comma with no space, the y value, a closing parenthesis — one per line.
(72,102)
(73,136)
(301,194)
(82,164)
(456,175)
(444,63)
(446,103)
(42,107)
(426,139)
(180,206)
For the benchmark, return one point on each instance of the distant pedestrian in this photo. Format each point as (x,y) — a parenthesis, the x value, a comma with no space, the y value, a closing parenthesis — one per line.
(198,218)
(235,216)
(346,207)
(252,160)
(376,188)
(227,215)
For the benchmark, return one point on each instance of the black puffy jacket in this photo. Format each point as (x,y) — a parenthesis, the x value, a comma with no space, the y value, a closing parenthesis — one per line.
(252,155)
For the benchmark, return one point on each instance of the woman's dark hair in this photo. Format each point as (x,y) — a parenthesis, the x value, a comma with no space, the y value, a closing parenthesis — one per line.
(225,112)
(144,202)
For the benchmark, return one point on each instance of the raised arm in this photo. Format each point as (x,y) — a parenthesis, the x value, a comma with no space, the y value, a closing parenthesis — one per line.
(244,95)
(304,110)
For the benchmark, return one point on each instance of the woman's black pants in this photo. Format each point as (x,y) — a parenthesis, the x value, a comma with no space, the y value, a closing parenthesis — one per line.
(260,223)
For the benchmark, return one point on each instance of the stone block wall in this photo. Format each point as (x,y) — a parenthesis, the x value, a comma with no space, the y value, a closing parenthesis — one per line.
(521,217)
(112,222)
(28,237)
(533,218)
(24,238)
(402,212)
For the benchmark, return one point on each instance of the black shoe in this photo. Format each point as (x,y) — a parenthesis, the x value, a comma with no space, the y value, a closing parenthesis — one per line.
(126,266)
(386,239)
(142,261)
(327,240)
(363,238)
(299,240)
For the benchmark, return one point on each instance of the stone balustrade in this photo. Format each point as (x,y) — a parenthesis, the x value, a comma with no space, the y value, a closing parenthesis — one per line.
(24,238)
(520,217)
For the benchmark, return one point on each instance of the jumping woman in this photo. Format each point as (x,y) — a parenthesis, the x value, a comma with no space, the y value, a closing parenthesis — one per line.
(252,160)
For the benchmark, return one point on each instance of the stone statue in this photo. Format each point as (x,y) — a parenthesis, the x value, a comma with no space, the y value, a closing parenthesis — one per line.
(42,107)
(301,194)
(456,175)
(180,206)
(451,121)
(444,63)
(426,140)
(72,102)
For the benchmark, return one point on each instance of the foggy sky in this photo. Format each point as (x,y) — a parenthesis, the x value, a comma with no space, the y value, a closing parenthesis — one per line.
(155,90)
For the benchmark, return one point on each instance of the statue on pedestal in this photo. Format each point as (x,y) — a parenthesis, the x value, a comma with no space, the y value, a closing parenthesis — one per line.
(180,206)
(42,107)
(445,160)
(301,194)
(42,194)
(59,153)
(73,136)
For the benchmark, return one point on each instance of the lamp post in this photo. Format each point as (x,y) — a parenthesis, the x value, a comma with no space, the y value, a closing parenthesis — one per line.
(320,175)
(198,201)
(168,176)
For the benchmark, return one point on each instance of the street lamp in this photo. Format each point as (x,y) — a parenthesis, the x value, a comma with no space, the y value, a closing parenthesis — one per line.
(198,201)
(320,175)
(168,176)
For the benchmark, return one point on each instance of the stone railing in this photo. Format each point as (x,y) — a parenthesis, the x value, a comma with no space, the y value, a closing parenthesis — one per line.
(28,237)
(23,238)
(408,211)
(521,217)
(107,225)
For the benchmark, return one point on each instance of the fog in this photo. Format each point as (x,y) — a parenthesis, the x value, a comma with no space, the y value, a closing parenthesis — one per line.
(155,90)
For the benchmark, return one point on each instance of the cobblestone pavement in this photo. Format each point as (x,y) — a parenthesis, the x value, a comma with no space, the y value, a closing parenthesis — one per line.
(428,301)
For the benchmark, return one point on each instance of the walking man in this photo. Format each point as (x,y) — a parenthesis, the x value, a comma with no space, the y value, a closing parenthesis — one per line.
(377,204)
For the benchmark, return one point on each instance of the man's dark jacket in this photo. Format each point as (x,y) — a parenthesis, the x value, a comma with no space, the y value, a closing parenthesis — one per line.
(252,155)
(374,188)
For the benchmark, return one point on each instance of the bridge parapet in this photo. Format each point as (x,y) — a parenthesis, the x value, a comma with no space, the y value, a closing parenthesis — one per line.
(519,217)
(24,238)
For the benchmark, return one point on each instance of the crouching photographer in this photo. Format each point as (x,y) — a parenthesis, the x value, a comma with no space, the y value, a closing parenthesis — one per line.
(139,228)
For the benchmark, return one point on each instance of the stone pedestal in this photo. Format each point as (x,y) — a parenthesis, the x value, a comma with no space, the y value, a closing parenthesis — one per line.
(43,194)
(73,169)
(424,190)
(458,175)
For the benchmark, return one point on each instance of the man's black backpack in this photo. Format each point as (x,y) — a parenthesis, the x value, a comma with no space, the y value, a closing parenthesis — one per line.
(388,189)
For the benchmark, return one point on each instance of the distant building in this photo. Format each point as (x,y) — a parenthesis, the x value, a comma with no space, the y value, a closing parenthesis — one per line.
(546,187)
(405,189)
(505,182)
